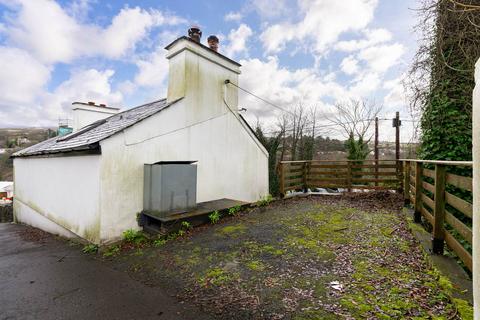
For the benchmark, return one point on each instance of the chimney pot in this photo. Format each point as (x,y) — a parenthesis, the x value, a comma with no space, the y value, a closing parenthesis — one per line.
(91,103)
(213,42)
(195,33)
(103,105)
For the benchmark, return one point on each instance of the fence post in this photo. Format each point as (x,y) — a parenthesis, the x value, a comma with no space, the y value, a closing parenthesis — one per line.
(406,183)
(349,176)
(305,172)
(418,192)
(439,210)
(399,170)
(282,179)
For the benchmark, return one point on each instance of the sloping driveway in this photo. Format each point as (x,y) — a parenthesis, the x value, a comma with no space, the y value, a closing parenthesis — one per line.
(45,278)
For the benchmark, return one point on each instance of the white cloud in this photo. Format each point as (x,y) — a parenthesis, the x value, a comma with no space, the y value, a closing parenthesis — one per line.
(233,16)
(396,96)
(322,23)
(270,8)
(372,37)
(45,28)
(153,69)
(365,85)
(79,8)
(238,40)
(83,85)
(349,65)
(381,58)
(22,78)
(283,87)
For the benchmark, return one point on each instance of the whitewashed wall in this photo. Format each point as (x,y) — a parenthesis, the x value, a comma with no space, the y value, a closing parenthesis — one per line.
(476,192)
(231,162)
(59,195)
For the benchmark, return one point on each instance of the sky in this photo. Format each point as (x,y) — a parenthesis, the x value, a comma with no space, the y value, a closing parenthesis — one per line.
(312,53)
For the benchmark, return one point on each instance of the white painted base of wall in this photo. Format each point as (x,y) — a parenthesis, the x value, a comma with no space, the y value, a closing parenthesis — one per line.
(26,215)
(476,193)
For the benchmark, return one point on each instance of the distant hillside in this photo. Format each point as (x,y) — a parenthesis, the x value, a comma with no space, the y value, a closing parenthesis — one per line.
(13,139)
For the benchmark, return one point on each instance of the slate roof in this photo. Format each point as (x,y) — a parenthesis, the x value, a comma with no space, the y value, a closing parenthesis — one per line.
(88,138)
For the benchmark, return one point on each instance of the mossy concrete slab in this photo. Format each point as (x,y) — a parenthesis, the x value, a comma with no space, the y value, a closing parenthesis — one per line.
(301,258)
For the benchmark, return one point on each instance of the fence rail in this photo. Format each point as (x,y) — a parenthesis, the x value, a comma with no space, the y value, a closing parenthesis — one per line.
(346,174)
(430,189)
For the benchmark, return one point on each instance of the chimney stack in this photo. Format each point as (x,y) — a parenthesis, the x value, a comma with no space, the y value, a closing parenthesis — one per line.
(195,33)
(213,42)
(85,113)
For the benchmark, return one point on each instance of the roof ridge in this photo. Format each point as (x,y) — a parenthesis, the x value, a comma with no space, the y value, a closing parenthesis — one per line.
(142,105)
(97,123)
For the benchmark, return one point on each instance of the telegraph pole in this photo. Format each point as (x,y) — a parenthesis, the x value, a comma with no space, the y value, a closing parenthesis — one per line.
(376,150)
(397,123)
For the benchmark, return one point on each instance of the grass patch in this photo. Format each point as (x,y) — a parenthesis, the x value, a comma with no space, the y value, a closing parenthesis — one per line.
(232,230)
(255,265)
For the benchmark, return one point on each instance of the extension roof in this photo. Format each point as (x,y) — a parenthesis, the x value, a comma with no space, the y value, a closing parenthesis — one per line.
(89,137)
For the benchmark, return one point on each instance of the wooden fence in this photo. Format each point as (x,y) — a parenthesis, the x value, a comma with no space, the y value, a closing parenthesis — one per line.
(427,185)
(346,174)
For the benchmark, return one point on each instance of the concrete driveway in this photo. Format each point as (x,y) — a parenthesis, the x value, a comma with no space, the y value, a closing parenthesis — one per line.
(45,278)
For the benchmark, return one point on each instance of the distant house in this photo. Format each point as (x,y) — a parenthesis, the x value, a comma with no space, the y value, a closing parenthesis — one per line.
(90,183)
(22,140)
(6,189)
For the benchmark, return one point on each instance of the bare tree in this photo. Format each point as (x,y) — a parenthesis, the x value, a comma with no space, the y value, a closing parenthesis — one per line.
(354,119)
(298,119)
(282,124)
(307,140)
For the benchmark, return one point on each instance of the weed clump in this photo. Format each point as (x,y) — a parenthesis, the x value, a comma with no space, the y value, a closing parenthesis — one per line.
(112,251)
(134,236)
(265,201)
(90,248)
(234,210)
(214,216)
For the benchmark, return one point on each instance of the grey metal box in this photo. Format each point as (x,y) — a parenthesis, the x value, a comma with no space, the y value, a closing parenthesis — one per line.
(170,187)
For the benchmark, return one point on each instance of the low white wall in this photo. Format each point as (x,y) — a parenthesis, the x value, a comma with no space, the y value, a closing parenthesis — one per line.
(476,192)
(59,194)
(230,163)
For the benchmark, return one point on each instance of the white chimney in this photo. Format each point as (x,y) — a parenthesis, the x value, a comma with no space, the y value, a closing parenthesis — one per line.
(87,113)
(197,74)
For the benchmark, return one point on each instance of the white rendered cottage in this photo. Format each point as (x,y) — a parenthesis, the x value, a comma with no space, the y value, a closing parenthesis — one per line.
(90,183)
